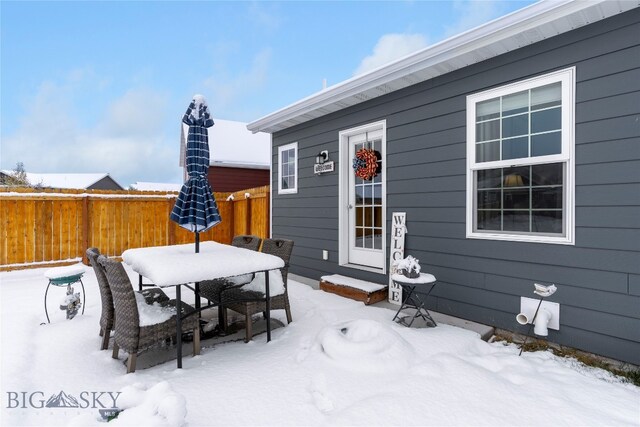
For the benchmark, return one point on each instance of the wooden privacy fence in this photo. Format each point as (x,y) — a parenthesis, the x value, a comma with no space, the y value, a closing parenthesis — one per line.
(48,226)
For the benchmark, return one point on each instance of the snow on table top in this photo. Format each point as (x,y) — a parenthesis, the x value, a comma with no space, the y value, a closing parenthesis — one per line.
(59,272)
(424,278)
(179,264)
(353,283)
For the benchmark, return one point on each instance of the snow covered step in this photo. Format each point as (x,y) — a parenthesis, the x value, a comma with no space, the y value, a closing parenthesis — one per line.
(359,290)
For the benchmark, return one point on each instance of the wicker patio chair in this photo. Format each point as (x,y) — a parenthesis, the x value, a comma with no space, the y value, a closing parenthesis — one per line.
(129,335)
(211,289)
(251,302)
(107,317)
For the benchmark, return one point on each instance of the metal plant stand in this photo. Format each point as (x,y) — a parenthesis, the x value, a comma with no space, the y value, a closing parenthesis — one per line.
(66,282)
(411,298)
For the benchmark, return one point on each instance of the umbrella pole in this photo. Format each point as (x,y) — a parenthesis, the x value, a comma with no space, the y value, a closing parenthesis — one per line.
(197,284)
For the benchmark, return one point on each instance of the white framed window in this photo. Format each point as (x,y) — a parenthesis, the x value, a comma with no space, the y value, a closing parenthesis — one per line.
(288,168)
(520,160)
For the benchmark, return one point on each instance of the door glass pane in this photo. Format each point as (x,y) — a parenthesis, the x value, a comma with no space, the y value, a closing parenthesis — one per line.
(368,217)
(377,216)
(359,195)
(368,194)
(359,217)
(377,238)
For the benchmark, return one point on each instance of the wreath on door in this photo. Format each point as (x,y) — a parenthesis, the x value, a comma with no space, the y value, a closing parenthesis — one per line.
(365,164)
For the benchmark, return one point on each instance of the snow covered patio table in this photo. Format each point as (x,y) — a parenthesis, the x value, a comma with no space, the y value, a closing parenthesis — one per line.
(179,265)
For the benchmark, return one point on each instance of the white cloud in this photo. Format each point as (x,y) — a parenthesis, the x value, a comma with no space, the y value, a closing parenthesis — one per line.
(230,94)
(472,13)
(389,48)
(128,140)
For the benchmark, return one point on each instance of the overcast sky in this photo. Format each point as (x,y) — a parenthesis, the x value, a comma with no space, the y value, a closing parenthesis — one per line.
(101,87)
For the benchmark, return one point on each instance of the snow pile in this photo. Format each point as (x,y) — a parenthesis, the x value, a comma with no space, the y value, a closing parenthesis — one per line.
(152,314)
(156,406)
(276,285)
(365,345)
(60,272)
(363,285)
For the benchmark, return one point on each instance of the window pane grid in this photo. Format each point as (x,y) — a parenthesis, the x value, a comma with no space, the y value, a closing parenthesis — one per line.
(287,169)
(516,130)
(514,204)
(368,202)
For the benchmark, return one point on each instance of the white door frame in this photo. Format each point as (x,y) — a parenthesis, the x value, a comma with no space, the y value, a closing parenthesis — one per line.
(345,168)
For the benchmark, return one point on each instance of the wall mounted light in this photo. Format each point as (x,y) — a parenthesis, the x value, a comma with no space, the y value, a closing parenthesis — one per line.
(322,157)
(323,164)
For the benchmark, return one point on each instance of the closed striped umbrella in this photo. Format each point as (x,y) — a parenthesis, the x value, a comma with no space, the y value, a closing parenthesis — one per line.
(196,208)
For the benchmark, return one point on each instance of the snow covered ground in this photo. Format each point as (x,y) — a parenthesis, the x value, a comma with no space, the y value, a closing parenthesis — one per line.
(339,363)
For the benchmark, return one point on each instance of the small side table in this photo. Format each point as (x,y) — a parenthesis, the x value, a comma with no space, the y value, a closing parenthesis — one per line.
(64,276)
(411,300)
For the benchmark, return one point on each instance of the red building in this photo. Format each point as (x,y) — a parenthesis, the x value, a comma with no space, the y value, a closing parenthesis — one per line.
(239,159)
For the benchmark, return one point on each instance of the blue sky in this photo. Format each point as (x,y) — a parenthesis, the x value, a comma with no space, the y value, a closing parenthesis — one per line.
(102,86)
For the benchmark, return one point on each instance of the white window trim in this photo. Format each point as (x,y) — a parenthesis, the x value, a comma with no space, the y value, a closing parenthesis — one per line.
(294,146)
(567,156)
(343,214)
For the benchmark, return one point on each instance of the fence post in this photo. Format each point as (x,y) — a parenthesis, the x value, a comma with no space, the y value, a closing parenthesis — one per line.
(233,218)
(171,229)
(85,228)
(248,225)
(267,218)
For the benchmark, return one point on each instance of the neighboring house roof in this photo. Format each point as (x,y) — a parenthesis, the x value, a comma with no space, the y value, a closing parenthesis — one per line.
(518,29)
(65,180)
(232,145)
(156,186)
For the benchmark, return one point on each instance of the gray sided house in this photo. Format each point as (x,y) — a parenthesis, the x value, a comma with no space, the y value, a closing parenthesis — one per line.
(514,150)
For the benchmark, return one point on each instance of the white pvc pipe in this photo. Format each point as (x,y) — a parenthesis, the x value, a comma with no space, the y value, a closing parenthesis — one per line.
(522,318)
(541,323)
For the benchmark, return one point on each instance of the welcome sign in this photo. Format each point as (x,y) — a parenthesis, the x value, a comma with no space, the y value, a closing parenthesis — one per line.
(398,230)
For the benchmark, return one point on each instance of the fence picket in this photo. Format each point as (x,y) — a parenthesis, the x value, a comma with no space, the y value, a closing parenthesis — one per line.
(48,225)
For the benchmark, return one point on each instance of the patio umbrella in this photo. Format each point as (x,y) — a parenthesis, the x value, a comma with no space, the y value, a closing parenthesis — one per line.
(196,208)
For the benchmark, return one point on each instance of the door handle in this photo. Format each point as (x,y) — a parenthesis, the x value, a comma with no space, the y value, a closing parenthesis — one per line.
(350,206)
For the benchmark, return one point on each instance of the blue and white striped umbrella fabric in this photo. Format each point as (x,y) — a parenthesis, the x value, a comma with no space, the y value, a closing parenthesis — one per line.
(196,208)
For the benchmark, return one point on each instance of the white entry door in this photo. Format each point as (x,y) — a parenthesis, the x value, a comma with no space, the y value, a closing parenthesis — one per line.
(364,224)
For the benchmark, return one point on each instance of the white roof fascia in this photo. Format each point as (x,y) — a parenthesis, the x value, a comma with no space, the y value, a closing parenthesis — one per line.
(230,164)
(421,65)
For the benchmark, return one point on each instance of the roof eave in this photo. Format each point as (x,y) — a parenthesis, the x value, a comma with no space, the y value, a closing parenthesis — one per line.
(490,33)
